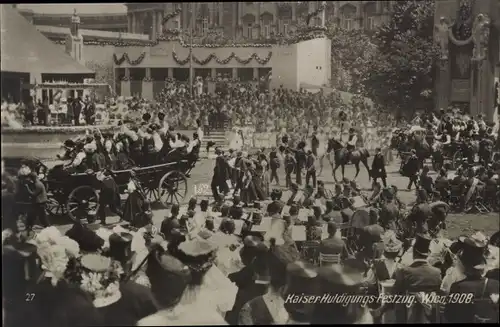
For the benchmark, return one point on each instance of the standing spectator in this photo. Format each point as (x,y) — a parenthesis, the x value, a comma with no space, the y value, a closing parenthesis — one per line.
(89,111)
(290,164)
(378,167)
(29,113)
(38,194)
(274,165)
(109,196)
(311,168)
(76,107)
(40,113)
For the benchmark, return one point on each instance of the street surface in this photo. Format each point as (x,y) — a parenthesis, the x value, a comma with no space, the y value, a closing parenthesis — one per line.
(457,224)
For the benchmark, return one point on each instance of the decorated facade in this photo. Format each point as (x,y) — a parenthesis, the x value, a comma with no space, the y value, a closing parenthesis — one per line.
(468,33)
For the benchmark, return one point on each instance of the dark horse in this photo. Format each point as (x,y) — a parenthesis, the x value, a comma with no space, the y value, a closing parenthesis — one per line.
(343,157)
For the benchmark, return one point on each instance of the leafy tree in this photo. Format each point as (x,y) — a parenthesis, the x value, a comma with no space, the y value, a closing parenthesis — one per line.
(400,75)
(352,51)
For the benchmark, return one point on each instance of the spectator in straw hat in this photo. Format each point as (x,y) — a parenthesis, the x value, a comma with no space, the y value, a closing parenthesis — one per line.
(419,276)
(483,306)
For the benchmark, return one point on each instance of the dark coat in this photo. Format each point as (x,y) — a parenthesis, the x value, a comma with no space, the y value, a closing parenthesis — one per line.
(378,166)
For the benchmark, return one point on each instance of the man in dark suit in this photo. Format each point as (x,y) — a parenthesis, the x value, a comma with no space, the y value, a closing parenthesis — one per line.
(420,276)
(378,167)
(411,168)
(420,212)
(221,175)
(76,106)
(333,244)
(38,194)
(477,296)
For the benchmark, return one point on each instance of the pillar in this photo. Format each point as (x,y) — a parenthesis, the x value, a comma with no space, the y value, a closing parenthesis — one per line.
(443,85)
(195,16)
(235,19)
(134,23)
(322,14)
(221,13)
(159,22)
(256,73)
(211,16)
(294,11)
(154,26)
(213,73)
(259,19)
(129,21)
(147,86)
(240,11)
(125,86)
(170,72)
(235,73)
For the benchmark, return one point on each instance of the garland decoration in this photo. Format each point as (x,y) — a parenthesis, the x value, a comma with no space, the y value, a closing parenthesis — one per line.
(125,57)
(225,61)
(171,15)
(321,7)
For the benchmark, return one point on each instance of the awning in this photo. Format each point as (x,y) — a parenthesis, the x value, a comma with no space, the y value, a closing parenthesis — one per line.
(25,50)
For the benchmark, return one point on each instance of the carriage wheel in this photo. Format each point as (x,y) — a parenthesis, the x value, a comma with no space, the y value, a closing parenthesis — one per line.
(457,160)
(53,208)
(83,203)
(152,194)
(172,188)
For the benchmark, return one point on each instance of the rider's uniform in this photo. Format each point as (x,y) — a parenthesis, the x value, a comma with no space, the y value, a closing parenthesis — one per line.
(351,143)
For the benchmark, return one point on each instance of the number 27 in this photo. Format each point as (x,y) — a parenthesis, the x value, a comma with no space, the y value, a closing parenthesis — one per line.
(30,297)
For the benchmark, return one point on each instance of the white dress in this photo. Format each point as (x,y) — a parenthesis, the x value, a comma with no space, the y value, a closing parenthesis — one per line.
(202,305)
(236,142)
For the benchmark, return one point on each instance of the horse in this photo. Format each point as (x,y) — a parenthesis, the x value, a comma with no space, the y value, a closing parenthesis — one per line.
(422,148)
(342,157)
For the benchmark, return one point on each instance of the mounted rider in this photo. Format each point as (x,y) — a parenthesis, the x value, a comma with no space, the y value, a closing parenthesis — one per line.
(351,141)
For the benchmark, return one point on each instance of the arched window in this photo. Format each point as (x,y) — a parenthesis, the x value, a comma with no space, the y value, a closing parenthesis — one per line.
(267,20)
(204,26)
(248,23)
(369,12)
(347,14)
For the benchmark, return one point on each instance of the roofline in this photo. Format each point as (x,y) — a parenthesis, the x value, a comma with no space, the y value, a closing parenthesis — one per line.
(29,11)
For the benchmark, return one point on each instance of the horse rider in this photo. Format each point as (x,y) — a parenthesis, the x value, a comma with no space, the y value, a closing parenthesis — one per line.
(420,276)
(352,140)
(420,212)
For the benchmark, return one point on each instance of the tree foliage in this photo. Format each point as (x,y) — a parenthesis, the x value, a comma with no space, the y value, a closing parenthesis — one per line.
(352,51)
(400,75)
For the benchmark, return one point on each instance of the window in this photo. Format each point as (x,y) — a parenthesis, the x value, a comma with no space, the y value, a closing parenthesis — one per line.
(267,31)
(370,23)
(285,29)
(248,32)
(204,26)
(348,24)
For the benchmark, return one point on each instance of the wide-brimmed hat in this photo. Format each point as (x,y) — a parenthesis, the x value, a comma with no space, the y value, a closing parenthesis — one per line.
(169,278)
(374,232)
(422,244)
(86,238)
(120,246)
(473,250)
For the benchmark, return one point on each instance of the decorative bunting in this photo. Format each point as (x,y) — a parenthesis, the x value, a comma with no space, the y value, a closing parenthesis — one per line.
(225,61)
(125,57)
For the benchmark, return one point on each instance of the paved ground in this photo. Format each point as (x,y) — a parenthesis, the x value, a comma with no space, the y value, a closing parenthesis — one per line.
(458,224)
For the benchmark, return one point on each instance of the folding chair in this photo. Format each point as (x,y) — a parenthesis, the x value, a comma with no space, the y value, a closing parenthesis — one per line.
(329,259)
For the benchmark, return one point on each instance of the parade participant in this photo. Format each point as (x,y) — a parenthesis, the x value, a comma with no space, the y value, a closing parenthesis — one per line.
(311,168)
(376,196)
(389,212)
(411,168)
(294,188)
(38,194)
(274,164)
(484,306)
(330,215)
(220,176)
(333,244)
(253,279)
(137,209)
(290,166)
(314,229)
(315,142)
(300,160)
(426,181)
(420,276)
(371,241)
(378,167)
(109,196)
(351,141)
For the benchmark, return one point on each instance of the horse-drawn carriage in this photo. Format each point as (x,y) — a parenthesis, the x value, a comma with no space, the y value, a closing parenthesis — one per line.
(77,194)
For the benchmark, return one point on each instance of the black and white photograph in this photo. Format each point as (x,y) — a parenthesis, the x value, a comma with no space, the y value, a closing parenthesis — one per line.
(250,163)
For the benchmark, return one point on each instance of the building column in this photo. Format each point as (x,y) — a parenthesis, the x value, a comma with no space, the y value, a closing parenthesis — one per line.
(235,73)
(170,72)
(221,13)
(294,11)
(159,22)
(154,26)
(129,21)
(322,14)
(195,17)
(259,20)
(240,11)
(213,72)
(134,23)
(211,16)
(147,86)
(125,84)
(256,73)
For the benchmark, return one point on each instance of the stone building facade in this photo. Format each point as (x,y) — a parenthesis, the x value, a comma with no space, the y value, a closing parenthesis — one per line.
(468,33)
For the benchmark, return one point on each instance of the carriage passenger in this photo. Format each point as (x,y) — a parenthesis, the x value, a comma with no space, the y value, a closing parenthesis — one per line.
(79,163)
(123,161)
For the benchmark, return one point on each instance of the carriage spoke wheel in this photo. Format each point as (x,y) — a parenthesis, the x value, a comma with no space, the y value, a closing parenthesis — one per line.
(53,208)
(172,188)
(83,203)
(152,194)
(457,160)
